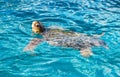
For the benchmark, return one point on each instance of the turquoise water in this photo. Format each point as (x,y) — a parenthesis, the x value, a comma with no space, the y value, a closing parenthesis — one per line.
(84,16)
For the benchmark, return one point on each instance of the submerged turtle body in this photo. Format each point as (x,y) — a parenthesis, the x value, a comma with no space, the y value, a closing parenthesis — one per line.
(71,39)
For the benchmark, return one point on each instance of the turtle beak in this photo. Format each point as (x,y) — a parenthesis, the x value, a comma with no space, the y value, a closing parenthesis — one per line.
(36,30)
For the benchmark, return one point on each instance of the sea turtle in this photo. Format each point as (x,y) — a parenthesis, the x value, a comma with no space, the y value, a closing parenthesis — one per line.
(66,38)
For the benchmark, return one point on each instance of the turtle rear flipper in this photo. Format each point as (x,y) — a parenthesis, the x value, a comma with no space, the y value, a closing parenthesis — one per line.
(102,43)
(33,43)
(100,35)
(86,52)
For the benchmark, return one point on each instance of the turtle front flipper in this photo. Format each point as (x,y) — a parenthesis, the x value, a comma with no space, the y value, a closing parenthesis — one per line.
(33,43)
(86,52)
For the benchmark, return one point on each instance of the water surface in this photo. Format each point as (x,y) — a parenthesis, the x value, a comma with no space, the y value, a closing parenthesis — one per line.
(84,16)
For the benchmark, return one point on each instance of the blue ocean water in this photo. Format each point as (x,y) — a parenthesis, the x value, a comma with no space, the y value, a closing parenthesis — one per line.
(84,16)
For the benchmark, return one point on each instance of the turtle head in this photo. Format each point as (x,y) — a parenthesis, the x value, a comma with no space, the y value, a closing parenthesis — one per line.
(37,27)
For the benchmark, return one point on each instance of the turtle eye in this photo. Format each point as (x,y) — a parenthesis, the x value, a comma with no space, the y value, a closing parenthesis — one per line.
(37,25)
